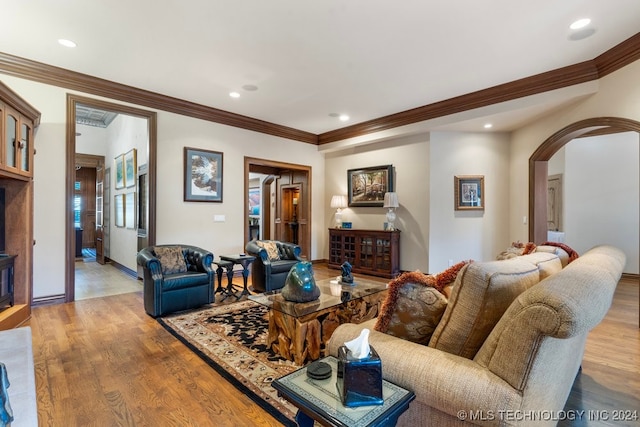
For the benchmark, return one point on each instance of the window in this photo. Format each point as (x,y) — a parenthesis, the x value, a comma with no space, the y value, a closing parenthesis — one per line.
(77,206)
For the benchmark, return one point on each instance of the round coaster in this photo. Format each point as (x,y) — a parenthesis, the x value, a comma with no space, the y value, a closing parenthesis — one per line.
(319,371)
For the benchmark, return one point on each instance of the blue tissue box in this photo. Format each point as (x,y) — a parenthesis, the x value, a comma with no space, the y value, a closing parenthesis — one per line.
(359,380)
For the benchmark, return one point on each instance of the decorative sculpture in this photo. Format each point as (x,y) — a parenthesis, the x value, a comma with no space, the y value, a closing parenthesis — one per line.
(300,285)
(346,277)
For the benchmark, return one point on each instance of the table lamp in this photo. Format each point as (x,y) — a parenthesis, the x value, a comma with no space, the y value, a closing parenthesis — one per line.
(391,202)
(339,202)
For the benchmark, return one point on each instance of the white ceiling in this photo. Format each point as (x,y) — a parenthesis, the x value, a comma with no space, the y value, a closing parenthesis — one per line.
(308,59)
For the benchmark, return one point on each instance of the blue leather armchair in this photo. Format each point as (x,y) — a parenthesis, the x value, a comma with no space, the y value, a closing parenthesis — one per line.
(269,275)
(167,293)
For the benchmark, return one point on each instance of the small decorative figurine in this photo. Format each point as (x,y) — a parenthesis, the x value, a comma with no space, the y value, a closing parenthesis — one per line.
(300,285)
(346,277)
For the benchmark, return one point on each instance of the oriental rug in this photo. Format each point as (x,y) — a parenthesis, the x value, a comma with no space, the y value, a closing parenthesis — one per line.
(231,338)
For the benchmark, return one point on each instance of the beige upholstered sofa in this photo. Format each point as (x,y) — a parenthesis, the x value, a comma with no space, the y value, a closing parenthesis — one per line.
(507,372)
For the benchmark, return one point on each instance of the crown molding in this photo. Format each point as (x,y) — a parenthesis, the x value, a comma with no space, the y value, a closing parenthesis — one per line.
(48,74)
(615,58)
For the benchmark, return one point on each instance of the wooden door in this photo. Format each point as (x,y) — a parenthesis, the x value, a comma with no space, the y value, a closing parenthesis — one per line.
(99,214)
(554,203)
(86,199)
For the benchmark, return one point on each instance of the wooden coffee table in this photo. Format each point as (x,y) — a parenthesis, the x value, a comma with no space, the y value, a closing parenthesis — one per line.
(300,331)
(319,400)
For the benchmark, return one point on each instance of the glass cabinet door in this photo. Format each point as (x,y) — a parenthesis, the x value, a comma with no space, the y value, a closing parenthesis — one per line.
(25,147)
(11,137)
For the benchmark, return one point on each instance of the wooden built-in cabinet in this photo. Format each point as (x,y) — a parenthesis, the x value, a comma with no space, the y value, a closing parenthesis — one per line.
(373,252)
(18,120)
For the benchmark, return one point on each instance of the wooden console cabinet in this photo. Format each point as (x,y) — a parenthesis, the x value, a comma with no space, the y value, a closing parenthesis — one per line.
(374,252)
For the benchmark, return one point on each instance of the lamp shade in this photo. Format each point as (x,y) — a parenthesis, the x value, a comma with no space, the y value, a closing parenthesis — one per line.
(339,202)
(391,200)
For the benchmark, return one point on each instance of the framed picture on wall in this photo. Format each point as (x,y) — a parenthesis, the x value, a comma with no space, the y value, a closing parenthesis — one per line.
(130,168)
(366,186)
(202,175)
(119,167)
(469,192)
(130,210)
(118,209)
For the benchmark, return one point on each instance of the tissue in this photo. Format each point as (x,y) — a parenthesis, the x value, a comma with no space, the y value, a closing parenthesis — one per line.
(359,347)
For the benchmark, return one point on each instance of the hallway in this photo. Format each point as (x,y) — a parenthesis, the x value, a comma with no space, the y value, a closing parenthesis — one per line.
(94,280)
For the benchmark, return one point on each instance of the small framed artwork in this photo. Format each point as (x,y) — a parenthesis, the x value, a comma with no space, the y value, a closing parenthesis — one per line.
(130,168)
(119,167)
(469,192)
(118,209)
(130,210)
(202,175)
(254,201)
(366,186)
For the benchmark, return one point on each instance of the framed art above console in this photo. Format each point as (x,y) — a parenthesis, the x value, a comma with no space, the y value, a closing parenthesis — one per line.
(366,186)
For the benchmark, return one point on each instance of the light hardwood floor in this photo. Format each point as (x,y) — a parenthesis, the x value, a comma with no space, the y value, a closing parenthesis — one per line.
(104,362)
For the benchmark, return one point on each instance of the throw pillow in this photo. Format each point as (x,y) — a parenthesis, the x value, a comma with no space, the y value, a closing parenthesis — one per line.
(271,248)
(171,259)
(415,304)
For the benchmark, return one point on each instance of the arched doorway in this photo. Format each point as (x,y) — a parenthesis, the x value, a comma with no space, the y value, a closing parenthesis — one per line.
(538,164)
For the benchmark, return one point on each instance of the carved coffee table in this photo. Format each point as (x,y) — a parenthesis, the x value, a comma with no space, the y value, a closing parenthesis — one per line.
(300,331)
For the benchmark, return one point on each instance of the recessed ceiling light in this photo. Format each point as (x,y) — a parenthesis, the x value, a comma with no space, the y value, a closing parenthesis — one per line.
(250,88)
(334,115)
(488,126)
(580,23)
(343,117)
(67,43)
(234,94)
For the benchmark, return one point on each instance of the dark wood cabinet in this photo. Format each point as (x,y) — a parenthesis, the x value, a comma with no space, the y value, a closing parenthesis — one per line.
(374,252)
(18,120)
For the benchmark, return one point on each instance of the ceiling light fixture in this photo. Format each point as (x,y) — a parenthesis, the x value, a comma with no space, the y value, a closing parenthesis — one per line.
(343,117)
(488,126)
(580,23)
(250,88)
(67,43)
(234,94)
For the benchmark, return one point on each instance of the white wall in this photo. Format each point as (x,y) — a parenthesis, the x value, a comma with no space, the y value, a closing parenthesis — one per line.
(617,96)
(124,134)
(602,194)
(462,235)
(410,158)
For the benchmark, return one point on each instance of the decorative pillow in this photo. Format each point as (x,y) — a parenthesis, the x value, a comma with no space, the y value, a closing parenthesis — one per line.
(517,249)
(272,250)
(414,305)
(171,259)
(481,294)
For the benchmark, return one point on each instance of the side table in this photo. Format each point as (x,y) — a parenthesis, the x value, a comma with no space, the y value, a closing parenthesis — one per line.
(224,266)
(319,400)
(243,260)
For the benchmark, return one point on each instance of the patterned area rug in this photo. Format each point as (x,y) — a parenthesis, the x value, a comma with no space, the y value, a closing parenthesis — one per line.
(232,339)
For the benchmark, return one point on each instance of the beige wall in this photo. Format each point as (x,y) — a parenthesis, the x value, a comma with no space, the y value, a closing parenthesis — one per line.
(177,221)
(617,95)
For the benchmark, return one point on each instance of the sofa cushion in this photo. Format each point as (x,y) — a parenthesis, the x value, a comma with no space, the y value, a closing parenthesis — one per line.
(547,263)
(271,248)
(184,280)
(481,294)
(282,266)
(171,259)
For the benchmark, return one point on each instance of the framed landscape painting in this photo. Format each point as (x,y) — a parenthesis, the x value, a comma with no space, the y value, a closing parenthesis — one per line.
(119,166)
(469,192)
(130,168)
(366,186)
(202,175)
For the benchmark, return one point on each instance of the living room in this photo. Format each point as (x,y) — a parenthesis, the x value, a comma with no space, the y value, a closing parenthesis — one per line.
(425,156)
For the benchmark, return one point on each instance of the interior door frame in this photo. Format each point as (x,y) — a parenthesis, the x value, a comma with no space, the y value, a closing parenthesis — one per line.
(257,162)
(152,128)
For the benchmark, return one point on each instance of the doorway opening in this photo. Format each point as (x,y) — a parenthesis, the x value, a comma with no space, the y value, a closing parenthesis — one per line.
(278,206)
(73,103)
